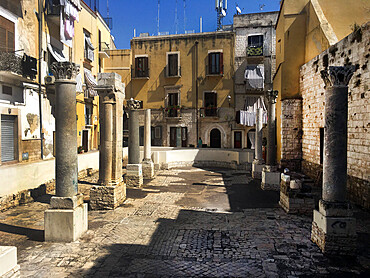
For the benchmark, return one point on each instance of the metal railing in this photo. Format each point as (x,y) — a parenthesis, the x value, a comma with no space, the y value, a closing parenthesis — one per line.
(255,50)
(172,111)
(140,73)
(103,46)
(209,112)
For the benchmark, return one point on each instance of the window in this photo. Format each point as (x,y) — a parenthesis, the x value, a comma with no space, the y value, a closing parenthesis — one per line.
(173,68)
(215,63)
(173,105)
(88,113)
(210,104)
(7,35)
(255,45)
(89,48)
(141,67)
(7,90)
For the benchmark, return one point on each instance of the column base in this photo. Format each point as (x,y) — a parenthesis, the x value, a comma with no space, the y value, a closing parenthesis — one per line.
(65,225)
(257,167)
(334,230)
(270,178)
(148,169)
(134,176)
(8,262)
(104,197)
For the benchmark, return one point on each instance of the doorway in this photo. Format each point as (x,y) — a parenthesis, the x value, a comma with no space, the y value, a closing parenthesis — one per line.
(215,138)
(237,139)
(173,136)
(85,140)
(8,138)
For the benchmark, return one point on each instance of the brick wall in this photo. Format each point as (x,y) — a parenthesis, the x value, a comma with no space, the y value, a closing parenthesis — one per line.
(354,50)
(291,134)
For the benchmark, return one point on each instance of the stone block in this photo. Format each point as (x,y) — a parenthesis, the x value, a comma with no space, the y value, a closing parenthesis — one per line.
(257,168)
(8,262)
(134,175)
(334,235)
(270,180)
(111,79)
(65,225)
(335,209)
(66,202)
(107,197)
(134,169)
(148,169)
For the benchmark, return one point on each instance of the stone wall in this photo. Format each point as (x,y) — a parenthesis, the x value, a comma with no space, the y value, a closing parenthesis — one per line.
(33,148)
(354,50)
(291,134)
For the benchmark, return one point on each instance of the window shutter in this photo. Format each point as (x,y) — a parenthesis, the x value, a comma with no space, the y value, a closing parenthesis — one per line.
(209,63)
(146,66)
(3,41)
(221,63)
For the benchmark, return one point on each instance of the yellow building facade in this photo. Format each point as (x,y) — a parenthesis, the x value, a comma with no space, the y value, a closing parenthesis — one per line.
(187,81)
(304,29)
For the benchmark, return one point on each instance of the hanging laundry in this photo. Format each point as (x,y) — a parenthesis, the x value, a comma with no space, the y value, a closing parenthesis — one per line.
(68,14)
(254,76)
(248,115)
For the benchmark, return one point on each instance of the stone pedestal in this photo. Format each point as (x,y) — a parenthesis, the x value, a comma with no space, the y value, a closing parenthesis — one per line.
(148,166)
(148,169)
(8,262)
(333,229)
(292,199)
(134,176)
(270,178)
(257,167)
(111,191)
(66,220)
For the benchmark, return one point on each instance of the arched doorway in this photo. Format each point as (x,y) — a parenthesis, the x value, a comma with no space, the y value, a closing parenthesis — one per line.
(215,138)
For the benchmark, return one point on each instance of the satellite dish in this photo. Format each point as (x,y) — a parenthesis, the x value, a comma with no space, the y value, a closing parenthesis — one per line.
(238,10)
(223,13)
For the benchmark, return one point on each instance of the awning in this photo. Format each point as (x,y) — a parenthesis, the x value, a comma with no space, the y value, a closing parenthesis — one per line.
(90,84)
(57,53)
(254,76)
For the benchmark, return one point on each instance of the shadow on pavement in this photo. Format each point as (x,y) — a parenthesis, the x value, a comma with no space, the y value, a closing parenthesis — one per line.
(32,234)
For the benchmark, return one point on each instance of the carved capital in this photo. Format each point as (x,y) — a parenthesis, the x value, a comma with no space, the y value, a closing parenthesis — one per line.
(65,70)
(133,104)
(271,96)
(109,98)
(337,76)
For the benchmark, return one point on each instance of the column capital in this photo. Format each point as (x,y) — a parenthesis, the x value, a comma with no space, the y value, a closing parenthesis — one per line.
(271,96)
(133,104)
(65,70)
(337,76)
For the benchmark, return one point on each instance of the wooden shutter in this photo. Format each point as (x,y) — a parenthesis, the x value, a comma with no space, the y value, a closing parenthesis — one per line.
(221,63)
(146,67)
(136,67)
(6,34)
(209,63)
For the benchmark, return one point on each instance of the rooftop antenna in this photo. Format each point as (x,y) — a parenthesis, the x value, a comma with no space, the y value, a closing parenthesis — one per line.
(158,17)
(261,7)
(238,10)
(176,19)
(221,7)
(184,16)
(107,8)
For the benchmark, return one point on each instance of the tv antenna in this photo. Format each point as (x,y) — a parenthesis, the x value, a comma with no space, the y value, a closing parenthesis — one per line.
(261,7)
(159,3)
(176,19)
(238,10)
(221,8)
(184,16)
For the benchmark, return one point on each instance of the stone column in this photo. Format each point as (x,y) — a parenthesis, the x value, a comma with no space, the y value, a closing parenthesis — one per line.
(66,220)
(333,228)
(270,175)
(148,165)
(111,191)
(258,162)
(134,176)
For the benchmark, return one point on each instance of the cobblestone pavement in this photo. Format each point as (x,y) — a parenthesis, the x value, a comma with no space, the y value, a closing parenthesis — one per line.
(187,222)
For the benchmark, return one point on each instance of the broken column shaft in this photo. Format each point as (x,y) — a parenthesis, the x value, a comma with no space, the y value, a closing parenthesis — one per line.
(258,162)
(148,166)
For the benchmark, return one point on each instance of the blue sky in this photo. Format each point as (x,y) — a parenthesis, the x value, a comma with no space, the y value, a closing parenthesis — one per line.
(142,15)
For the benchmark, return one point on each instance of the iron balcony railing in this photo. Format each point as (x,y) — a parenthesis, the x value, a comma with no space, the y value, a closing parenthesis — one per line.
(22,65)
(209,112)
(103,46)
(140,73)
(173,111)
(255,50)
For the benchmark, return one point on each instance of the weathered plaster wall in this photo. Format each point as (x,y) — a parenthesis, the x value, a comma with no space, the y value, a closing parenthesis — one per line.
(353,50)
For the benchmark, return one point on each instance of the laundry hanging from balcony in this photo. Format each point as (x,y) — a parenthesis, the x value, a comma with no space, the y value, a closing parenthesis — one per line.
(68,14)
(254,76)
(90,84)
(248,115)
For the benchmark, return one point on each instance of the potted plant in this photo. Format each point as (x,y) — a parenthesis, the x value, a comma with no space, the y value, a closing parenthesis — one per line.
(80,149)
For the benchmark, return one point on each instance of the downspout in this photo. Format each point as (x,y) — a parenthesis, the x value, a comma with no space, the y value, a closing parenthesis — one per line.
(40,19)
(196,91)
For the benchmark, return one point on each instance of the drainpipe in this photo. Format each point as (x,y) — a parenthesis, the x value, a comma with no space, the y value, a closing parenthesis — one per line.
(196,90)
(39,17)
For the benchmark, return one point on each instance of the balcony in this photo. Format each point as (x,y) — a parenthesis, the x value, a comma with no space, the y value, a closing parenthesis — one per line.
(255,51)
(25,65)
(103,50)
(209,112)
(172,112)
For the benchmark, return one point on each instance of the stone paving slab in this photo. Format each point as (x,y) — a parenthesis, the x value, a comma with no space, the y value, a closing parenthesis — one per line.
(187,222)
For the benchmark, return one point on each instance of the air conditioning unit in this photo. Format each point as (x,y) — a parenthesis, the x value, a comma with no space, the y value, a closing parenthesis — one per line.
(49,80)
